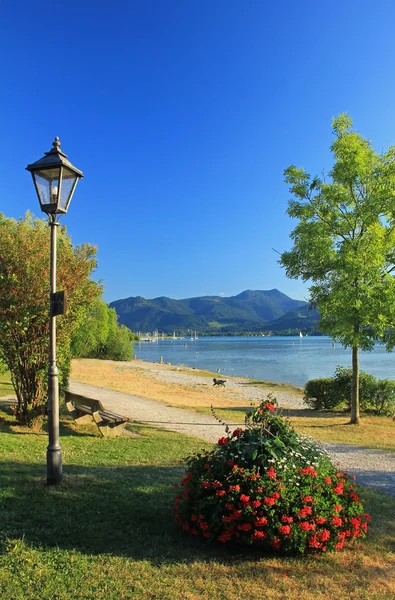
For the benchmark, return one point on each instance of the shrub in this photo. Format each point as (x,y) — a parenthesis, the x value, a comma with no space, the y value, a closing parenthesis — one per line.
(342,385)
(320,393)
(375,395)
(382,401)
(267,486)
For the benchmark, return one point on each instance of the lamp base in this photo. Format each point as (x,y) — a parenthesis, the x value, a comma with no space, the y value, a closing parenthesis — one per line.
(54,466)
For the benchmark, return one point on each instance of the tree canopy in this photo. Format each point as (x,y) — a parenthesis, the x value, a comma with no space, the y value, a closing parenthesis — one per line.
(344,243)
(99,335)
(24,305)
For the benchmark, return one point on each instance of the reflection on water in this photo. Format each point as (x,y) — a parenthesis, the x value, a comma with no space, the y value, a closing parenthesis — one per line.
(287,359)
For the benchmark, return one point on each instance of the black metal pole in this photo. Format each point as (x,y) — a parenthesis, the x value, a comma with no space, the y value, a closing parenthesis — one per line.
(54,451)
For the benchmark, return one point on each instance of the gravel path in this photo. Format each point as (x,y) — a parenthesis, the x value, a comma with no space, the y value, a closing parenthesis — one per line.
(236,387)
(372,468)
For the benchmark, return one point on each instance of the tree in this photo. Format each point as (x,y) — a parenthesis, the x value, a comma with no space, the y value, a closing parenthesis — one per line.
(90,337)
(344,243)
(24,306)
(99,335)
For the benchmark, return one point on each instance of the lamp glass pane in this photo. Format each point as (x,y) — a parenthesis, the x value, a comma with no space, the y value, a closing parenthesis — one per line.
(68,179)
(47,183)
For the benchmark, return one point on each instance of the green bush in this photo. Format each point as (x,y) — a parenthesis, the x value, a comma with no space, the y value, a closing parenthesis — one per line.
(321,393)
(268,487)
(376,396)
(343,383)
(382,401)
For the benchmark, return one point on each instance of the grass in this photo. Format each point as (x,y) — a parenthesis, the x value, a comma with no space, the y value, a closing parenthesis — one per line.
(277,386)
(107,532)
(6,388)
(373,432)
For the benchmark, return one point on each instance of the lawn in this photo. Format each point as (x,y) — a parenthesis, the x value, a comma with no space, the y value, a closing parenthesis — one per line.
(328,426)
(107,532)
(6,388)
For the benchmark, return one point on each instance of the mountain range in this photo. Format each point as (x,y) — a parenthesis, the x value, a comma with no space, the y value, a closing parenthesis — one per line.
(251,311)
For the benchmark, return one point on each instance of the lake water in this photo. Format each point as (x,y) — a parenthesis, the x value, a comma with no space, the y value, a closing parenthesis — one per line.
(287,359)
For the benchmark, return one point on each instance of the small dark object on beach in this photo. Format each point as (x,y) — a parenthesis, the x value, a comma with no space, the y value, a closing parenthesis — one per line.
(219,381)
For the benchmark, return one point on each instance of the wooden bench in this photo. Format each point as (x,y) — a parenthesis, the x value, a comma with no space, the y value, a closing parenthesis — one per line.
(84,409)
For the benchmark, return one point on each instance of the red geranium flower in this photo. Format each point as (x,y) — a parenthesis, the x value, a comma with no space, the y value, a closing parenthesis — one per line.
(309,471)
(286,519)
(244,527)
(285,529)
(237,432)
(258,535)
(307,526)
(270,406)
(224,537)
(306,510)
(222,441)
(271,473)
(325,534)
(313,542)
(234,488)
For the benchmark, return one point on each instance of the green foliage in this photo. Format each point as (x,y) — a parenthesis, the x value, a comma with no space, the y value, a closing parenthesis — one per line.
(344,242)
(119,345)
(99,335)
(269,487)
(377,396)
(24,301)
(320,394)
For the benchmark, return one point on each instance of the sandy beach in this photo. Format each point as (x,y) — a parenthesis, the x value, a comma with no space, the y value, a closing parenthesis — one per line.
(179,386)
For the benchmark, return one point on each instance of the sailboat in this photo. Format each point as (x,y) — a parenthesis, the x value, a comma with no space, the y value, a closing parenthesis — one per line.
(300,334)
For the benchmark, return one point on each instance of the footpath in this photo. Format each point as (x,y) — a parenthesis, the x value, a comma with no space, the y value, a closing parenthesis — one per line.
(372,468)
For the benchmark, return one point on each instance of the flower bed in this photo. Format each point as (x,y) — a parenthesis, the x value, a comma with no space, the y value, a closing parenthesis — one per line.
(266,485)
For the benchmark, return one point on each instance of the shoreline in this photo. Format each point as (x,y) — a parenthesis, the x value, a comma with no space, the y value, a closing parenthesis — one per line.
(180,385)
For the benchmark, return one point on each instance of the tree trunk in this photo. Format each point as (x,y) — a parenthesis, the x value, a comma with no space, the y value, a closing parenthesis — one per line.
(355,386)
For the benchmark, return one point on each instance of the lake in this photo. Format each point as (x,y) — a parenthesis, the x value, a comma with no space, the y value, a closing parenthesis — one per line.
(286,359)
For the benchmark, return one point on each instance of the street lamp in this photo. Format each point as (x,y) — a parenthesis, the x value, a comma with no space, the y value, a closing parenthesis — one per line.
(55,180)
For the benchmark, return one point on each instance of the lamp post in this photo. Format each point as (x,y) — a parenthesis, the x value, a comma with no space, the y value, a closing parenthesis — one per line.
(55,180)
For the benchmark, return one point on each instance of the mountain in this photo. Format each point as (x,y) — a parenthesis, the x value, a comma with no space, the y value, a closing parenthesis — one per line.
(301,319)
(250,311)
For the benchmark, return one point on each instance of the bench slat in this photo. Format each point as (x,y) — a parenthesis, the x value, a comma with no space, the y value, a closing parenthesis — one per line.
(94,406)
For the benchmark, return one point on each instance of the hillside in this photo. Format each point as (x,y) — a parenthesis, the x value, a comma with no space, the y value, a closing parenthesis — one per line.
(250,311)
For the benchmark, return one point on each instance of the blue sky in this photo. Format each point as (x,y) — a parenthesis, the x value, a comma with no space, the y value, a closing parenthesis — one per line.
(183,115)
